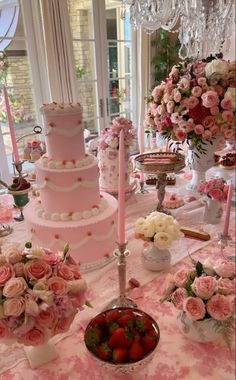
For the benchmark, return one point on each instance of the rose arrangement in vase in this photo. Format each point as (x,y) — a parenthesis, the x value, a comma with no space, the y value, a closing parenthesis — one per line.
(204,296)
(216,191)
(196,104)
(40,294)
(108,147)
(159,231)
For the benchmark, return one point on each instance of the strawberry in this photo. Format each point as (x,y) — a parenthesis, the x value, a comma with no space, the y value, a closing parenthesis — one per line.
(103,351)
(121,338)
(149,341)
(143,323)
(99,320)
(120,355)
(112,327)
(112,315)
(92,337)
(136,351)
(126,320)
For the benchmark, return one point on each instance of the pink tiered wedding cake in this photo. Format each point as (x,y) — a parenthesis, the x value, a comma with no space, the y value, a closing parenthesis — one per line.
(71,208)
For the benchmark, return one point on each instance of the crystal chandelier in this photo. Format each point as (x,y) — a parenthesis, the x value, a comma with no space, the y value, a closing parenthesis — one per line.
(202,25)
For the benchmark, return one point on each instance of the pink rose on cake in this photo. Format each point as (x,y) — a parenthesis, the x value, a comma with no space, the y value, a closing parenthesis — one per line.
(39,298)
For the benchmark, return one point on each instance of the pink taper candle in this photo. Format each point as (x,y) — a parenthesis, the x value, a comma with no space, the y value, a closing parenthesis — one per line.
(141,147)
(11,126)
(227,211)
(121,190)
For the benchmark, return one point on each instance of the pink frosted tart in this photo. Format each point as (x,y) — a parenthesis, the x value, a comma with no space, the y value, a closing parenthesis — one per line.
(70,207)
(173,201)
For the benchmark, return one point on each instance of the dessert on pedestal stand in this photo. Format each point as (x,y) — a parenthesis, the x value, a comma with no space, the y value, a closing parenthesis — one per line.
(160,164)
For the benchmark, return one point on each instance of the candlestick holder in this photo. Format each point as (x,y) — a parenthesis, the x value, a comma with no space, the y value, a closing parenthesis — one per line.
(223,242)
(142,189)
(122,300)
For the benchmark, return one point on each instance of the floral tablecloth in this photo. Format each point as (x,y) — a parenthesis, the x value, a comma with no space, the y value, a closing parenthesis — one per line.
(176,357)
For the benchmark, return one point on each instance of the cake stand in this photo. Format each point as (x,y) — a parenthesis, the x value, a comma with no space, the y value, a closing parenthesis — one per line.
(160,164)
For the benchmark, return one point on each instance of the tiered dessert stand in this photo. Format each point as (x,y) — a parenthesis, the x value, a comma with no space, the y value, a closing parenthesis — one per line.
(160,164)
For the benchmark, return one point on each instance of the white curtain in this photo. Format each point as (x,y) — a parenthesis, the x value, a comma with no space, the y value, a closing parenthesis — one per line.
(4,170)
(59,50)
(141,74)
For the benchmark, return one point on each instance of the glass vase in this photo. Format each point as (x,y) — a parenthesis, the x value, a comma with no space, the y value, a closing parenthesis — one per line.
(154,258)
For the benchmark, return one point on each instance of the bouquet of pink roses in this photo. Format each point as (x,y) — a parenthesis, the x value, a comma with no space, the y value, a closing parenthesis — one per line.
(196,103)
(40,294)
(109,137)
(205,291)
(215,189)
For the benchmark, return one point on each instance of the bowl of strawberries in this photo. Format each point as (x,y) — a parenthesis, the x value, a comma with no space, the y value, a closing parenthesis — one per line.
(122,339)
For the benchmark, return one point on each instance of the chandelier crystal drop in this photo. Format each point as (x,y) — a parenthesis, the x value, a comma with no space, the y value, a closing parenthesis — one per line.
(202,25)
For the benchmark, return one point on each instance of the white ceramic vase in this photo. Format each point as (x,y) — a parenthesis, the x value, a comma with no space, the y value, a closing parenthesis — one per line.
(155,259)
(199,331)
(199,163)
(213,211)
(41,354)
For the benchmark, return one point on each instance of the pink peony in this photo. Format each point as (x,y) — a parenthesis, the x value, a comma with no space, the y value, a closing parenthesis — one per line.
(224,268)
(226,286)
(15,287)
(204,286)
(194,308)
(219,307)
(6,272)
(37,269)
(47,318)
(57,285)
(210,99)
(178,297)
(14,307)
(34,337)
(180,277)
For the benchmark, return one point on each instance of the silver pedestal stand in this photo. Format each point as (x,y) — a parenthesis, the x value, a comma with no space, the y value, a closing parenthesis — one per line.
(121,301)
(158,164)
(223,241)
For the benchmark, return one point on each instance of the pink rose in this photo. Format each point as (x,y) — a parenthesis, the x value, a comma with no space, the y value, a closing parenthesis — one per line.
(226,286)
(196,91)
(178,298)
(177,96)
(216,194)
(224,268)
(37,269)
(192,102)
(210,99)
(57,285)
(6,272)
(227,116)
(34,337)
(219,307)
(64,271)
(229,134)
(63,324)
(207,135)
(214,130)
(226,104)
(184,83)
(4,330)
(19,269)
(180,134)
(15,287)
(13,254)
(208,122)
(47,318)
(194,308)
(214,110)
(49,257)
(199,129)
(180,277)
(204,286)
(201,81)
(218,90)
(14,307)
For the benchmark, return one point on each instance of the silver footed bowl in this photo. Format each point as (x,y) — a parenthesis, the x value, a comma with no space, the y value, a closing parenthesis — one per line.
(103,337)
(160,162)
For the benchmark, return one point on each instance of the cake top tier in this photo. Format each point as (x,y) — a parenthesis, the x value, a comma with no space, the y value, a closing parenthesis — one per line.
(55,108)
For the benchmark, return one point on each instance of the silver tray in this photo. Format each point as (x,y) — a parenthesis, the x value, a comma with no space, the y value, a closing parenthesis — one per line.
(176,164)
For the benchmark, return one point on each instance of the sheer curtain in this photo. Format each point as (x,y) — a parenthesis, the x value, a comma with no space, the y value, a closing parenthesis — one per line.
(59,51)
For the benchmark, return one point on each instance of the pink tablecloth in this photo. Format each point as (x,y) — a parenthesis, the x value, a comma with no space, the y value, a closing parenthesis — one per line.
(176,357)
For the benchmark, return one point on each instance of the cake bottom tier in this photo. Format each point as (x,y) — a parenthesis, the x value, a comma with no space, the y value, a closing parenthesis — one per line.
(92,241)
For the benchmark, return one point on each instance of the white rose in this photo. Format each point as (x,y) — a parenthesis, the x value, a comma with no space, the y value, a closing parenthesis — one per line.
(162,240)
(111,141)
(148,230)
(231,95)
(208,265)
(160,224)
(217,66)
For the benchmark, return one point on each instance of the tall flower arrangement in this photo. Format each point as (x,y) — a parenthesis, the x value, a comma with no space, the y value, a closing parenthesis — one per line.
(40,294)
(196,103)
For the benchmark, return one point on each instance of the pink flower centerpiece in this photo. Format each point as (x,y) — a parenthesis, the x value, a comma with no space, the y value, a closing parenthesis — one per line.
(215,188)
(110,136)
(196,103)
(40,294)
(204,293)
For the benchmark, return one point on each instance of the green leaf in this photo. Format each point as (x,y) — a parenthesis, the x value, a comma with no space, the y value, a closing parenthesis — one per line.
(199,269)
